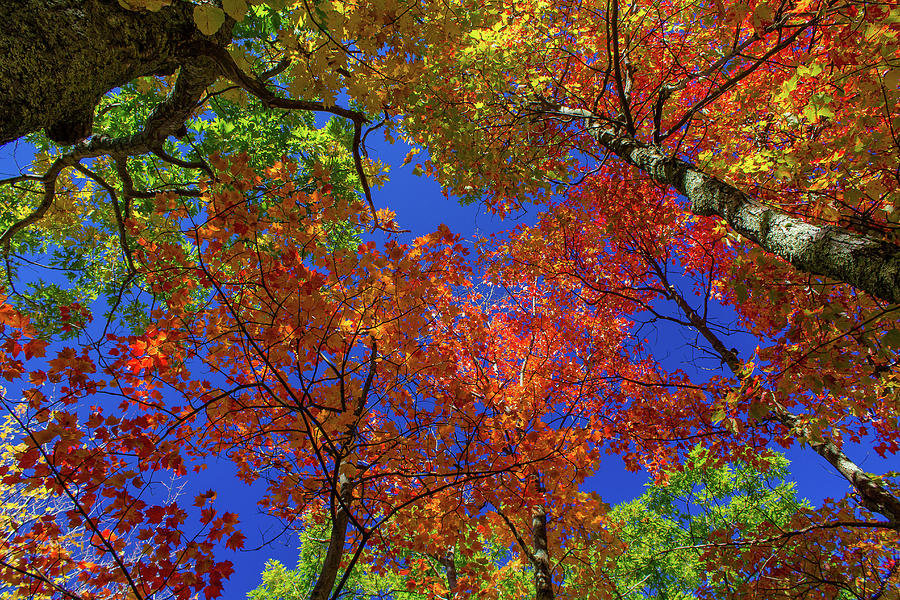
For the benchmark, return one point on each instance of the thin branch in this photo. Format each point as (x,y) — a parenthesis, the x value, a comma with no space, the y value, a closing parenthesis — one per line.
(79,508)
(185,164)
(732,81)
(512,528)
(123,236)
(873,495)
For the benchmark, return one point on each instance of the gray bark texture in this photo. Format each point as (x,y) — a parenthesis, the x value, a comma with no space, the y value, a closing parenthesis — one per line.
(867,263)
(59,57)
(543,577)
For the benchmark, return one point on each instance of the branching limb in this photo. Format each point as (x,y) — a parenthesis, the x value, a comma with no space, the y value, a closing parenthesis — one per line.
(185,164)
(255,86)
(868,263)
(526,549)
(120,222)
(340,518)
(873,495)
(231,71)
(732,81)
(166,119)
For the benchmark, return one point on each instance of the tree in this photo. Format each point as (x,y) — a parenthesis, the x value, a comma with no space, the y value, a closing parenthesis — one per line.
(663,265)
(279,583)
(656,94)
(664,535)
(337,376)
(666,529)
(751,164)
(665,94)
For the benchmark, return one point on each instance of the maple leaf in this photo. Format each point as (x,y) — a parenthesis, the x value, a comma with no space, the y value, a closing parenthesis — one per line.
(235,541)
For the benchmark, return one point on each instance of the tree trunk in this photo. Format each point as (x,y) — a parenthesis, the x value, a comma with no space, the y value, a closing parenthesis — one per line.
(334,553)
(59,57)
(543,579)
(867,263)
(449,564)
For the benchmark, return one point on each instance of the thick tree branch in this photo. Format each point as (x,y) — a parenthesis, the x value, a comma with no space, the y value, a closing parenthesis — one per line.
(57,59)
(872,494)
(537,553)
(623,87)
(523,545)
(231,71)
(865,262)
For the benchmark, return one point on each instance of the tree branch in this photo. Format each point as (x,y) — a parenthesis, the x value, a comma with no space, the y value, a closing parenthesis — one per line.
(865,262)
(872,494)
(168,116)
(120,223)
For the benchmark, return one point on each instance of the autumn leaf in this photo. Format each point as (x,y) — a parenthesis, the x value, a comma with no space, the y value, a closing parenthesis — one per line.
(209,18)
(236,9)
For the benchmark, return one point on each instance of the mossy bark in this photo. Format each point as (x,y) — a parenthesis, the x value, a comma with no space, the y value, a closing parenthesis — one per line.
(59,57)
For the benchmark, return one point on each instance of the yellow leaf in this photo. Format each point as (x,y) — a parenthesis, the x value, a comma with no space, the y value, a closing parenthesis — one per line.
(208,18)
(410,156)
(236,9)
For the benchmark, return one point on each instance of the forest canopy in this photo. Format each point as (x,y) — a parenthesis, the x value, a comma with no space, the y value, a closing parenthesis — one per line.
(199,267)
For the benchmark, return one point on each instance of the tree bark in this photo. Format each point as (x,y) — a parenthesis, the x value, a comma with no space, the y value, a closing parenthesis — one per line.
(449,564)
(335,552)
(59,57)
(543,578)
(867,263)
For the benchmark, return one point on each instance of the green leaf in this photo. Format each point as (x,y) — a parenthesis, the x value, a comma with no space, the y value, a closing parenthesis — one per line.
(208,18)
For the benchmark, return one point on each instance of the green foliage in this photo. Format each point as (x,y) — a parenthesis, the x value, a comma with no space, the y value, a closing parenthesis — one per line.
(666,527)
(281,583)
(80,240)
